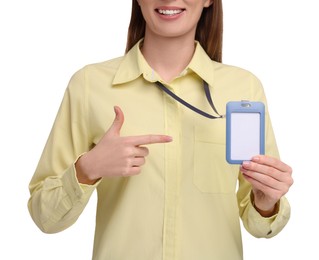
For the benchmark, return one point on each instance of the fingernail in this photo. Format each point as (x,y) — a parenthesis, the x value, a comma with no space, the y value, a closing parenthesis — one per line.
(243,171)
(246,163)
(256,158)
(170,138)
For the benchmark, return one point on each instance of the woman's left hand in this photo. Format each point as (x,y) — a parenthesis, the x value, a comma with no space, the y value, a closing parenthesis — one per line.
(270,179)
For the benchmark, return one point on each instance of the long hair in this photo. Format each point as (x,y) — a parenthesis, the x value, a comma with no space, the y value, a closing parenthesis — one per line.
(209,31)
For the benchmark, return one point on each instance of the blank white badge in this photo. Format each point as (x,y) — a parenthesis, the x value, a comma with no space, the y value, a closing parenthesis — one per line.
(245,135)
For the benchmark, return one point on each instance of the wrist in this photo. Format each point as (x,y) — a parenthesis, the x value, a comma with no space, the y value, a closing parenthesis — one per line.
(81,173)
(267,213)
(263,211)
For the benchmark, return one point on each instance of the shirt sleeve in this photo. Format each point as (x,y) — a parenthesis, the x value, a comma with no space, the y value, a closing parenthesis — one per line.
(57,199)
(254,223)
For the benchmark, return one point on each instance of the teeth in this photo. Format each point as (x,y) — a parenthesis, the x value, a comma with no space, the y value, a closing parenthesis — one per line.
(169,12)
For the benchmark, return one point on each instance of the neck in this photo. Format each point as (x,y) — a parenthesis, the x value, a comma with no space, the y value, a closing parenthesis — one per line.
(168,56)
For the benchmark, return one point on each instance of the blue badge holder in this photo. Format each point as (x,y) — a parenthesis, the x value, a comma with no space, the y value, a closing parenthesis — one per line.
(245,130)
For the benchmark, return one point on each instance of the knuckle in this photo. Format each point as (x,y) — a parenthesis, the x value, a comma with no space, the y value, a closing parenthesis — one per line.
(147,152)
(272,182)
(143,151)
(291,181)
(126,141)
(254,167)
(285,189)
(289,170)
(250,165)
(138,170)
(143,160)
(135,171)
(126,167)
(272,171)
(128,151)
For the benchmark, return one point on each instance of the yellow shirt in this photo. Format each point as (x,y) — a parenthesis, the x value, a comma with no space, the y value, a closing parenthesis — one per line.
(187,202)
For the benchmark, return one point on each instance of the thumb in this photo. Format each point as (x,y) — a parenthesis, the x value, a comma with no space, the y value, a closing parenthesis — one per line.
(115,128)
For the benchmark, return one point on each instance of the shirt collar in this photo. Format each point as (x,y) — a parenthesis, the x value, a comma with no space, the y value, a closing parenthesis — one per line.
(202,65)
(134,65)
(130,67)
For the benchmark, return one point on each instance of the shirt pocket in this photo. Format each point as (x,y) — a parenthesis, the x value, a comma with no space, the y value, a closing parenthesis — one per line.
(212,173)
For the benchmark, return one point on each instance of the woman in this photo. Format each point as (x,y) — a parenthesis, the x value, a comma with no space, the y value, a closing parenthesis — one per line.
(177,197)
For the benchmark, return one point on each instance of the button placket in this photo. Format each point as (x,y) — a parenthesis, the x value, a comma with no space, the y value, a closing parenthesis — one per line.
(172,177)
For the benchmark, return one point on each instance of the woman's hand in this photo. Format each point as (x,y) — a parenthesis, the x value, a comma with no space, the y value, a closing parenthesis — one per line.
(115,155)
(270,179)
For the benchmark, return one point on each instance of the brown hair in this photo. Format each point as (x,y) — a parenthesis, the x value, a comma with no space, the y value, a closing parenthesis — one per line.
(209,30)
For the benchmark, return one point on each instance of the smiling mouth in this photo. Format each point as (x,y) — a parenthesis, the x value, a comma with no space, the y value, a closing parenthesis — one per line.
(169,12)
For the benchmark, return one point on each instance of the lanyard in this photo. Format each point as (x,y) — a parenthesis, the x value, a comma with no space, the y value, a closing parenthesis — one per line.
(195,109)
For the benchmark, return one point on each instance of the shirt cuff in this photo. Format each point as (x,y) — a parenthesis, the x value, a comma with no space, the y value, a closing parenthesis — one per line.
(73,188)
(269,226)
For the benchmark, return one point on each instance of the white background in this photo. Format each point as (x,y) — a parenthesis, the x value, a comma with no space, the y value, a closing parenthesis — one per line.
(42,43)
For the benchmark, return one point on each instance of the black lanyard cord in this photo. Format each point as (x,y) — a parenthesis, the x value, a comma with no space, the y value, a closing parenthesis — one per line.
(195,109)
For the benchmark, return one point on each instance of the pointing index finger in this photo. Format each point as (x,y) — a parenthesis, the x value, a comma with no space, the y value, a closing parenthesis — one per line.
(150,139)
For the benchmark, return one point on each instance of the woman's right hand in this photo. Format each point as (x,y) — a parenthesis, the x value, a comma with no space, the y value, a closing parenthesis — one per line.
(115,155)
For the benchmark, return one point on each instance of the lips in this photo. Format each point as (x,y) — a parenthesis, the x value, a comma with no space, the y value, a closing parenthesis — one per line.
(169,11)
